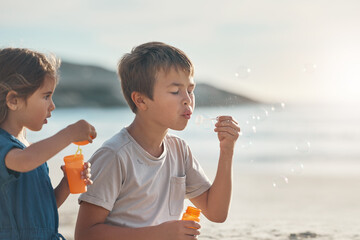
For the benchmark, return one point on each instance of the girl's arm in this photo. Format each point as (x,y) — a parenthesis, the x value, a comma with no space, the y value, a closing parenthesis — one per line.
(25,160)
(62,191)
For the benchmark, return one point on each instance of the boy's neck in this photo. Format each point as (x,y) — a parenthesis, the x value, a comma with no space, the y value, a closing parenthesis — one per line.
(149,137)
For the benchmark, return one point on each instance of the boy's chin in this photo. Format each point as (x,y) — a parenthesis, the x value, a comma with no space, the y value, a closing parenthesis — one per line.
(178,128)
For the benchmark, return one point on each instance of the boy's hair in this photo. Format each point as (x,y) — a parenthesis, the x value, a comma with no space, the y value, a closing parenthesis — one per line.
(137,70)
(23,71)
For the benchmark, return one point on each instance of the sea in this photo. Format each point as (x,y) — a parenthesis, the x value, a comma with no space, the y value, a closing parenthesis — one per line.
(273,136)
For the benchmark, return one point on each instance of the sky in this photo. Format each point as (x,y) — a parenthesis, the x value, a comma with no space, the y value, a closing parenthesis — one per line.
(301,51)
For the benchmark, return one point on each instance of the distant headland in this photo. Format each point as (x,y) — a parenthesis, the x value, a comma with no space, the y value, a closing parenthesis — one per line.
(92,86)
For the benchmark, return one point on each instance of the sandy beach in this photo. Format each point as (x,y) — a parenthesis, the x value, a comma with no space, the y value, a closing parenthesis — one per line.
(320,203)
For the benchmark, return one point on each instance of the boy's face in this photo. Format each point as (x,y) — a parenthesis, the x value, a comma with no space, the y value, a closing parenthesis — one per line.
(173,99)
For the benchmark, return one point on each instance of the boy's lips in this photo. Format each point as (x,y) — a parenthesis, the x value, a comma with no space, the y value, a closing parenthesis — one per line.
(187,114)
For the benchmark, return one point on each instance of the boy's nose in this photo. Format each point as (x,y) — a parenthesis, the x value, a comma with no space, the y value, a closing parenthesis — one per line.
(187,99)
(52,106)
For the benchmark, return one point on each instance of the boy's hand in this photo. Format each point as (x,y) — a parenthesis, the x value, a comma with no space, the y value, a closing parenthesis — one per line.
(180,230)
(228,132)
(82,131)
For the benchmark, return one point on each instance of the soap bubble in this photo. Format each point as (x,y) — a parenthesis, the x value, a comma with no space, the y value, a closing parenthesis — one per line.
(296,167)
(199,119)
(242,72)
(277,107)
(309,68)
(246,142)
(261,114)
(280,182)
(249,127)
(303,146)
(204,121)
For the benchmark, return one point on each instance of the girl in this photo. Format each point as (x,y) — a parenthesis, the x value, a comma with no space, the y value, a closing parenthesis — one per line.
(28,203)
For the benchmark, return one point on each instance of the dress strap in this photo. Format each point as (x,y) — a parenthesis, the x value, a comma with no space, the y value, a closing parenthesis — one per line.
(58,236)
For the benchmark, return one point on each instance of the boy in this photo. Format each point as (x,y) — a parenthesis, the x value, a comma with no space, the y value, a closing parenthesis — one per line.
(142,174)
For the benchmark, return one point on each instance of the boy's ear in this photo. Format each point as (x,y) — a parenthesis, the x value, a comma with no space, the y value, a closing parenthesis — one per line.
(138,99)
(12,100)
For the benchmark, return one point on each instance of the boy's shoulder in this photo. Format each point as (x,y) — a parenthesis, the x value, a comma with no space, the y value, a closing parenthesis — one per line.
(174,139)
(123,142)
(118,141)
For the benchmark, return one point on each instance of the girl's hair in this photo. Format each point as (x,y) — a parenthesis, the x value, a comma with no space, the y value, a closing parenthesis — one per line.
(23,71)
(137,70)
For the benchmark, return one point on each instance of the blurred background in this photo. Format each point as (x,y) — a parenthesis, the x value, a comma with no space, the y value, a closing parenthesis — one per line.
(288,71)
(292,51)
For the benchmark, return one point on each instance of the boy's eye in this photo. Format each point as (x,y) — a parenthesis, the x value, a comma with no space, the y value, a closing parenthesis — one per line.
(175,93)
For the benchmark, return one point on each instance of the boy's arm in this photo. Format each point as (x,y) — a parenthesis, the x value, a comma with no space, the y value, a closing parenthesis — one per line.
(215,202)
(91,225)
(25,160)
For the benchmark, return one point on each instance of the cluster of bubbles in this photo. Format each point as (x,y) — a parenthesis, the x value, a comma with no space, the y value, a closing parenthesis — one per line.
(249,129)
(244,72)
(296,166)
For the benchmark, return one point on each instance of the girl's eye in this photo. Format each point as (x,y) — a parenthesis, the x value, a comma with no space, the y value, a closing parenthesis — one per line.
(175,93)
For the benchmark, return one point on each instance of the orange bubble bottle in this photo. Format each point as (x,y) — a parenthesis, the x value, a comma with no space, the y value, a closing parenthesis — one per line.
(192,213)
(74,164)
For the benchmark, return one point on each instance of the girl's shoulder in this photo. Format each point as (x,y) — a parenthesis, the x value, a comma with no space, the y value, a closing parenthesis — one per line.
(6,139)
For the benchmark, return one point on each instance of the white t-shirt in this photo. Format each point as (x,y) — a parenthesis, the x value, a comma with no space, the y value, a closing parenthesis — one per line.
(141,190)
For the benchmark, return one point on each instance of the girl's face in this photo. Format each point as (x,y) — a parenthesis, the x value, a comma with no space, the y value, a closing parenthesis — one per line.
(38,107)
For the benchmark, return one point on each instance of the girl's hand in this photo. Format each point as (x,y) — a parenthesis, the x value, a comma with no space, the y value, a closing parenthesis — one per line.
(82,131)
(85,174)
(228,132)
(65,177)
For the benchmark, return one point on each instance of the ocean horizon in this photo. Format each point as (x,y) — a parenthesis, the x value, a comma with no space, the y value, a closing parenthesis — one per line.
(269,133)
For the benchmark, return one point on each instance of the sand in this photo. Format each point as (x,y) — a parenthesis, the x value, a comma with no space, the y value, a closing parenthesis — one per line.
(322,202)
